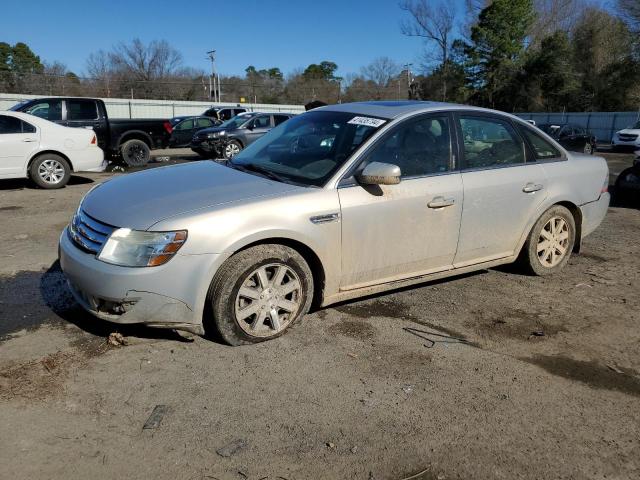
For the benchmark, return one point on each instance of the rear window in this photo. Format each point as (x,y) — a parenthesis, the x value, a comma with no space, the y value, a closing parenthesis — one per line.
(49,110)
(81,110)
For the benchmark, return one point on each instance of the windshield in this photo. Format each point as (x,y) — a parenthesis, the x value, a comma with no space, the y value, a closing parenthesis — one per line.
(235,122)
(309,148)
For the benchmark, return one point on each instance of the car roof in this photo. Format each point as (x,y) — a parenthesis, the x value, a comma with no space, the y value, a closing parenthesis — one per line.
(389,109)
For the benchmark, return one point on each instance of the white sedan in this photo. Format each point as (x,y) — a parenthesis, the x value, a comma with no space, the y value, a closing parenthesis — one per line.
(47,153)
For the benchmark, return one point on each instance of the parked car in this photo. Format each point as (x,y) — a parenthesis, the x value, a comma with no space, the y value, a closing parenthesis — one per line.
(44,152)
(404,193)
(231,137)
(627,138)
(129,139)
(185,129)
(627,189)
(222,114)
(572,137)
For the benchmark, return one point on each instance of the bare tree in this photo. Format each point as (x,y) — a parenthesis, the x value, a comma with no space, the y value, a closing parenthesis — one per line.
(381,70)
(554,15)
(432,21)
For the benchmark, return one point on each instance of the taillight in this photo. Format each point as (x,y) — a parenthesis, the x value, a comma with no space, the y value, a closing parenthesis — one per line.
(605,186)
(94,140)
(168,127)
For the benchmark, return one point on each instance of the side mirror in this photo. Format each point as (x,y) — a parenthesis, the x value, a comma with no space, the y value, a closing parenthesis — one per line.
(377,173)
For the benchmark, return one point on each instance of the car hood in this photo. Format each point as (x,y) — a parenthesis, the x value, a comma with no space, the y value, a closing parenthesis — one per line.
(139,200)
(630,131)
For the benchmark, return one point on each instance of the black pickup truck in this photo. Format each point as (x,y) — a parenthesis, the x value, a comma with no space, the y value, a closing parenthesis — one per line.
(128,139)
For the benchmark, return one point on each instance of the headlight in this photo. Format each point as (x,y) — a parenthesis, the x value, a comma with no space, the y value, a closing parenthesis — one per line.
(216,134)
(132,248)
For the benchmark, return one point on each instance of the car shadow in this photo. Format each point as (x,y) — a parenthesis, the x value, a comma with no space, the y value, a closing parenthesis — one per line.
(25,183)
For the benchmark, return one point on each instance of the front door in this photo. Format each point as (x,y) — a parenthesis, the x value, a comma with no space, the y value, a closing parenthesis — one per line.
(18,140)
(392,232)
(260,126)
(502,191)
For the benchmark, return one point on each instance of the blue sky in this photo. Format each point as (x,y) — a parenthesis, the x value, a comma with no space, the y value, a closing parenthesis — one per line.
(269,33)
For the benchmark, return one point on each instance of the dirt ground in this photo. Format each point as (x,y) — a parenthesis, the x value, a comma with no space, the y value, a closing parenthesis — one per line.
(488,375)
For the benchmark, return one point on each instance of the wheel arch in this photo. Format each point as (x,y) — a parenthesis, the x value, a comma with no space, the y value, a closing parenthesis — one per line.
(309,255)
(577,218)
(44,152)
(135,135)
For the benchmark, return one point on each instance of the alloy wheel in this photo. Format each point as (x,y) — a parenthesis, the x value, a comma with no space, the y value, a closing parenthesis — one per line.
(268,300)
(51,171)
(553,242)
(231,150)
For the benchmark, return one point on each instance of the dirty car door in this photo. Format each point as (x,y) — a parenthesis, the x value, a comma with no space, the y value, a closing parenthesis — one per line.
(391,232)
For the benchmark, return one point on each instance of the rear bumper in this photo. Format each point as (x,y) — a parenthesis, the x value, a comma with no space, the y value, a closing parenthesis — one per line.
(593,213)
(88,160)
(169,296)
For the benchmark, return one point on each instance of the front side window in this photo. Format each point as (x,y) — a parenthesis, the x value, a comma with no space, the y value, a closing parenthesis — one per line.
(309,148)
(204,123)
(10,125)
(490,142)
(81,110)
(542,149)
(262,122)
(419,147)
(49,110)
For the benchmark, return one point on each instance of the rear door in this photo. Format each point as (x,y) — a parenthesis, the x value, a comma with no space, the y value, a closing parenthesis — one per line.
(18,141)
(503,188)
(84,114)
(390,232)
(183,132)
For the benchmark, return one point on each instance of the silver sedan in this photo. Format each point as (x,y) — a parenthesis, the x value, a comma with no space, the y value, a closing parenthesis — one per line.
(337,203)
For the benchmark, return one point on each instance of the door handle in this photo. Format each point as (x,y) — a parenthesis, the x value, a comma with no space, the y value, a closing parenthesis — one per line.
(532,187)
(30,140)
(441,202)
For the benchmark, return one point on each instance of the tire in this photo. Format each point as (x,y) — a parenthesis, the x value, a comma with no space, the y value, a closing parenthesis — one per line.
(50,171)
(231,149)
(623,194)
(242,271)
(553,259)
(135,153)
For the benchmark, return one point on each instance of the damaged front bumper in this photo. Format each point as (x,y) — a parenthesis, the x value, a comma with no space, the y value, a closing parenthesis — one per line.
(168,296)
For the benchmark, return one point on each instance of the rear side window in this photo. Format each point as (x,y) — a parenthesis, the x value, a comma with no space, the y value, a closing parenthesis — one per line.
(10,125)
(204,123)
(49,110)
(278,119)
(185,125)
(490,142)
(542,149)
(81,110)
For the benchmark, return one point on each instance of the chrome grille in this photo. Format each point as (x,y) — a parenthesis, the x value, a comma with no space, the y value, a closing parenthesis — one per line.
(627,137)
(88,233)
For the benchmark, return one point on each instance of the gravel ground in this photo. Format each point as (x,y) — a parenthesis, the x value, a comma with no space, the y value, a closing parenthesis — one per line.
(488,375)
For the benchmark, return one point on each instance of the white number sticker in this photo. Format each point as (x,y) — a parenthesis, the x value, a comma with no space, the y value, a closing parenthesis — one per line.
(366,121)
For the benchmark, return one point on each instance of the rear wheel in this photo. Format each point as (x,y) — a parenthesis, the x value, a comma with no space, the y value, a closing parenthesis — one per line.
(50,171)
(550,243)
(259,293)
(135,153)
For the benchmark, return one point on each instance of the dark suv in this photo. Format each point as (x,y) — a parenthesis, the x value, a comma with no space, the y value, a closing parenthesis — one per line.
(572,137)
(233,135)
(222,114)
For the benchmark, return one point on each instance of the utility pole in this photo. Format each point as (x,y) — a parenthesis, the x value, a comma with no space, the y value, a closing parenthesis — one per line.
(212,78)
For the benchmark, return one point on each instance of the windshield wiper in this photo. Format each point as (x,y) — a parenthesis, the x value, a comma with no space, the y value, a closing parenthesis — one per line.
(252,167)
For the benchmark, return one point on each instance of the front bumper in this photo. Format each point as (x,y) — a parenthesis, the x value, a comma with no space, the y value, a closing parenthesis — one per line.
(593,213)
(169,296)
(210,145)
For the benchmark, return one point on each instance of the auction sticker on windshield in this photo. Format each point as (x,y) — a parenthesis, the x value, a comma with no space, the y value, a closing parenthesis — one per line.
(367,121)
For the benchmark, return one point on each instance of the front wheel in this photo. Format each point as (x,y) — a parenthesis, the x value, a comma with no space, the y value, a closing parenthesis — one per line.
(231,149)
(50,171)
(135,153)
(550,242)
(259,293)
